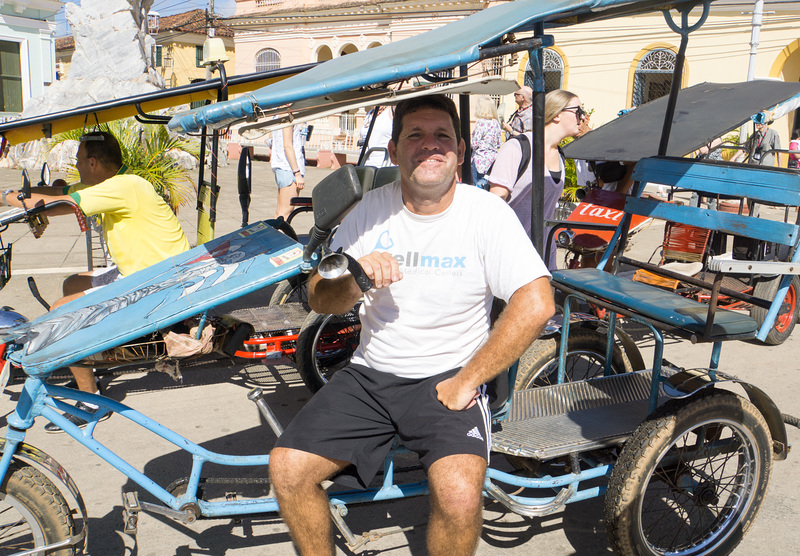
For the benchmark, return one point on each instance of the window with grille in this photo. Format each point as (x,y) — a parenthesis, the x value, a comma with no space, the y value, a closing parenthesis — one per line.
(268,59)
(157,60)
(653,77)
(492,66)
(266,3)
(10,77)
(198,56)
(553,69)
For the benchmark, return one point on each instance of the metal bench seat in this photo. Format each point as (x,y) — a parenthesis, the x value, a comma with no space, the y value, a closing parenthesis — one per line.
(553,421)
(664,309)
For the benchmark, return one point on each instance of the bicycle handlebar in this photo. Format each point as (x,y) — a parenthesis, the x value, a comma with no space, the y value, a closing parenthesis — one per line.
(19,215)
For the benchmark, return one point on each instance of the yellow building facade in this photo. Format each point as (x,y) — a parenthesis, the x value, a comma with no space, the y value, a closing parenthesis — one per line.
(611,65)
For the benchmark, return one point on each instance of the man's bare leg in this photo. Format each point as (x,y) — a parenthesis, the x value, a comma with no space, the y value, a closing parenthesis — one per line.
(84,377)
(74,284)
(296,478)
(456,500)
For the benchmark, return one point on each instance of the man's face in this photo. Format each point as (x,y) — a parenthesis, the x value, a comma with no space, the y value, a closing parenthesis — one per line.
(519,98)
(427,153)
(85,165)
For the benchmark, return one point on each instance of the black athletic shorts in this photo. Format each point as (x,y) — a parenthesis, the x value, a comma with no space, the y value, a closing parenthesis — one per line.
(355,416)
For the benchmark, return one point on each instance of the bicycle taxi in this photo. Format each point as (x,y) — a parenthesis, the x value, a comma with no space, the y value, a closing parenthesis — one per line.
(683,456)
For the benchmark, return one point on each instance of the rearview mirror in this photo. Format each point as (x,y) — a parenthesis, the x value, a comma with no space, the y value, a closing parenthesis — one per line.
(26,184)
(331,199)
(334,196)
(45,177)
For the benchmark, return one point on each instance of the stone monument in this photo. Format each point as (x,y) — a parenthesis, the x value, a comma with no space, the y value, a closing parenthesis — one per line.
(112,59)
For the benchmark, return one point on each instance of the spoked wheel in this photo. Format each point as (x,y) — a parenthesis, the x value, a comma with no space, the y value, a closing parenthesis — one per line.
(586,356)
(293,290)
(325,344)
(766,288)
(33,513)
(691,479)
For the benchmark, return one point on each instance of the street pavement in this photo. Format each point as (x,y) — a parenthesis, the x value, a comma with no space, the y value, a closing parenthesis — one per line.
(209,407)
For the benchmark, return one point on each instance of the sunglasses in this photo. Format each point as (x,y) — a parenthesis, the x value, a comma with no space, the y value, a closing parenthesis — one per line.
(579,112)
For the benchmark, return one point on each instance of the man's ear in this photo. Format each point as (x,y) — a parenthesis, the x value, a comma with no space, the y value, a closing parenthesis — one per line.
(462,149)
(392,148)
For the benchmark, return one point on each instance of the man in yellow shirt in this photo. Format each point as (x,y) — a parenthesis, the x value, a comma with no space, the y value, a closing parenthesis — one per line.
(138,226)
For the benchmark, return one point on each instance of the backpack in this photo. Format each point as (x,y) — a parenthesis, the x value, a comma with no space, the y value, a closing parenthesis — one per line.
(525,145)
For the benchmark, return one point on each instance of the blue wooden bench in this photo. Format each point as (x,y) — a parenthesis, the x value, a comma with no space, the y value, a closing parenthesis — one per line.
(697,321)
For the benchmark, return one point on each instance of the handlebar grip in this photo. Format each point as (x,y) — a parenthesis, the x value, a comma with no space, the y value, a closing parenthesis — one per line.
(81,218)
(363,281)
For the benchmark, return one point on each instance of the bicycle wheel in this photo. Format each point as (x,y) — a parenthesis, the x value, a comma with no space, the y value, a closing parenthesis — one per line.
(586,356)
(766,288)
(325,344)
(691,479)
(32,513)
(293,290)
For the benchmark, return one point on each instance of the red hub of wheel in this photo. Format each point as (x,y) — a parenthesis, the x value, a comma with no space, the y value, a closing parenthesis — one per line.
(784,319)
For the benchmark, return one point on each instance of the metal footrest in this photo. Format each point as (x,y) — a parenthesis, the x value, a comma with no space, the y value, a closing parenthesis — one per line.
(268,319)
(553,421)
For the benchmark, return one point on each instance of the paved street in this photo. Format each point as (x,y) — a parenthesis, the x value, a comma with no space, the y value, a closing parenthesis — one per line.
(209,406)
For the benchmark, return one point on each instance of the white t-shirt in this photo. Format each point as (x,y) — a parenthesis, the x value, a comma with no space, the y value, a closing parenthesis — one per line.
(453,263)
(381,134)
(278,155)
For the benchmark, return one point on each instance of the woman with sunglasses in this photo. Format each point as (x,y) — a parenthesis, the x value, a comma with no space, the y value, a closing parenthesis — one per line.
(563,116)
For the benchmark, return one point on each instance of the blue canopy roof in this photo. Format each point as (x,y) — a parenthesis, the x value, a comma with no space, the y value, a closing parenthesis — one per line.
(452,45)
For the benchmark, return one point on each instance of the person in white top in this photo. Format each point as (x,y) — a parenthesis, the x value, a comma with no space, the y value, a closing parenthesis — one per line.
(288,166)
(379,138)
(437,251)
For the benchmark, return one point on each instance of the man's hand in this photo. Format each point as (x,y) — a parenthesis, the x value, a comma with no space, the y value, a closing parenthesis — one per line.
(454,396)
(381,268)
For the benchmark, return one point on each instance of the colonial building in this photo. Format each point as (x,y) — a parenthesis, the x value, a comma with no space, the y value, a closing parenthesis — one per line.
(27,51)
(611,65)
(179,38)
(178,51)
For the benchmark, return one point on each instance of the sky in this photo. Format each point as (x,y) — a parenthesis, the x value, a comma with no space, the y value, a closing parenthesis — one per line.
(225,8)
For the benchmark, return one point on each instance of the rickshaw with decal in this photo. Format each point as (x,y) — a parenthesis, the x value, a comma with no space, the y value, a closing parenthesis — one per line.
(683,456)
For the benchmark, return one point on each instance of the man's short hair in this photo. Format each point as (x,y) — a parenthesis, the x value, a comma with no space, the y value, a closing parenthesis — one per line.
(104,147)
(437,102)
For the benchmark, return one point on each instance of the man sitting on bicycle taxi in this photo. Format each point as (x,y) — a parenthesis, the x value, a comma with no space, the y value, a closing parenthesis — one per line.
(437,251)
(139,227)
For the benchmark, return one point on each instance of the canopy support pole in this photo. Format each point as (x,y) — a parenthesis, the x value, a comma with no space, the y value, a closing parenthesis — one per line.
(535,60)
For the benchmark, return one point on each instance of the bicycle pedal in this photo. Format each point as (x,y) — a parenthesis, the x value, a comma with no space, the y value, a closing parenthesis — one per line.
(130,512)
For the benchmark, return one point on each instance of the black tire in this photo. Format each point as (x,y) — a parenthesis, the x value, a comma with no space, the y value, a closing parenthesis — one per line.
(691,479)
(586,351)
(325,344)
(766,288)
(34,513)
(294,290)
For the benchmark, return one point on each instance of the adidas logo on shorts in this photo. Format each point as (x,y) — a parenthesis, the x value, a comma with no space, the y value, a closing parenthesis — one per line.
(475,433)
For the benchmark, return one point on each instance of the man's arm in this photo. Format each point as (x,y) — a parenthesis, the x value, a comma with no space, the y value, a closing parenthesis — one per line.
(499,190)
(519,325)
(37,199)
(339,295)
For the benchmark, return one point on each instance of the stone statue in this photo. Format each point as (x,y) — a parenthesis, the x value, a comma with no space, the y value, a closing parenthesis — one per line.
(112,59)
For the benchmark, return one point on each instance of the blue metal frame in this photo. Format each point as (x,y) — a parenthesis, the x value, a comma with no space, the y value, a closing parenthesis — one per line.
(38,400)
